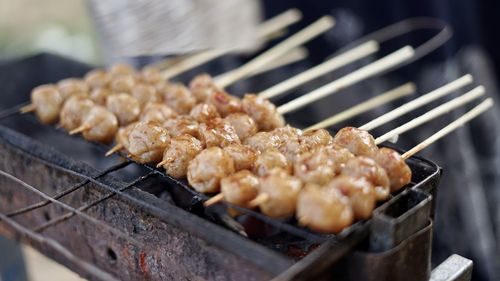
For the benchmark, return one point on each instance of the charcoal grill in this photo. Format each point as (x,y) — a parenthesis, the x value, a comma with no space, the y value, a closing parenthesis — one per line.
(112,219)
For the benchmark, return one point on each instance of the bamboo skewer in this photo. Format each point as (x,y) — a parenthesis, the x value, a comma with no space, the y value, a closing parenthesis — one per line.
(396,93)
(473,113)
(418,102)
(330,65)
(78,130)
(114,149)
(432,114)
(299,38)
(365,72)
(214,199)
(266,29)
(261,198)
(27,108)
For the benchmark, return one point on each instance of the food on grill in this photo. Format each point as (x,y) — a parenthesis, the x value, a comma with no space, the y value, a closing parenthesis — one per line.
(243,125)
(225,103)
(120,69)
(72,86)
(315,166)
(240,188)
(150,75)
(361,194)
(207,169)
(243,156)
(178,97)
(364,167)
(263,141)
(46,101)
(145,94)
(123,83)
(99,125)
(204,112)
(325,210)
(180,151)
(315,138)
(202,86)
(397,170)
(183,124)
(157,112)
(146,142)
(218,132)
(73,112)
(269,160)
(358,142)
(97,78)
(125,107)
(278,192)
(100,95)
(263,112)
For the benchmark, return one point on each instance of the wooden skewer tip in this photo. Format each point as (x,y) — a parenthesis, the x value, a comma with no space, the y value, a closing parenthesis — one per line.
(114,149)
(261,198)
(161,163)
(78,130)
(214,200)
(27,108)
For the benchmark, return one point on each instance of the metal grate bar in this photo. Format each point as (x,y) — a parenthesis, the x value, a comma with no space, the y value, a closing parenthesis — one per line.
(88,267)
(89,205)
(72,210)
(68,191)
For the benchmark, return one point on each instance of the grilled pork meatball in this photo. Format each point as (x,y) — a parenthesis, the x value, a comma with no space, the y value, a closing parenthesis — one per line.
(240,188)
(359,142)
(364,167)
(288,138)
(218,132)
(101,125)
(183,125)
(324,210)
(72,86)
(204,112)
(120,69)
(100,95)
(339,156)
(146,142)
(243,124)
(121,136)
(145,94)
(123,83)
(201,86)
(316,138)
(74,111)
(97,78)
(243,156)
(361,193)
(314,167)
(150,75)
(282,191)
(263,141)
(398,171)
(225,103)
(269,160)
(207,169)
(157,112)
(181,150)
(126,108)
(178,97)
(47,101)
(263,112)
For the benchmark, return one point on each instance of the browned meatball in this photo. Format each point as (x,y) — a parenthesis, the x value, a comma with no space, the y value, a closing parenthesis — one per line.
(204,112)
(126,108)
(157,112)
(123,83)
(74,110)
(145,94)
(100,95)
(97,78)
(180,152)
(325,210)
(263,141)
(225,103)
(288,138)
(120,69)
(121,136)
(101,125)
(240,188)
(339,156)
(201,87)
(270,159)
(243,124)
(150,75)
(398,171)
(361,193)
(243,156)
(282,191)
(315,138)
(263,112)
(72,86)
(364,167)
(207,169)
(314,167)
(359,142)
(47,101)
(218,132)
(178,97)
(183,125)
(146,142)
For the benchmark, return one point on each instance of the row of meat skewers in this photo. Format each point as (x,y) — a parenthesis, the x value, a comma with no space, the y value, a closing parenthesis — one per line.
(238,148)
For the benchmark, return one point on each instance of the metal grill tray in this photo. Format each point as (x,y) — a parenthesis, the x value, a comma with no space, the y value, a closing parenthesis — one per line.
(143,235)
